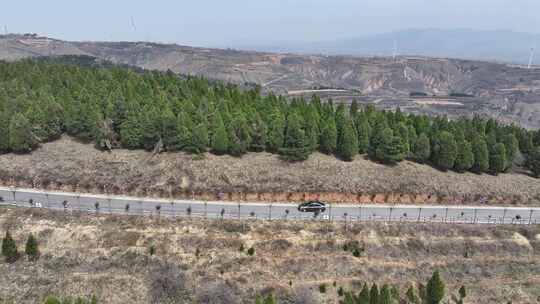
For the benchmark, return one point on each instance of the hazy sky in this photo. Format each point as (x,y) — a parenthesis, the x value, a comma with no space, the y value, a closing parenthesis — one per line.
(248,22)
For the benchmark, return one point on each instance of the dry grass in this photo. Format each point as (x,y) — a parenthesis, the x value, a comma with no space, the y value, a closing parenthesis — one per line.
(67,163)
(200,261)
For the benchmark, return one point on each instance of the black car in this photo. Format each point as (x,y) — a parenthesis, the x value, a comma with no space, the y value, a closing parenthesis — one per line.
(312,206)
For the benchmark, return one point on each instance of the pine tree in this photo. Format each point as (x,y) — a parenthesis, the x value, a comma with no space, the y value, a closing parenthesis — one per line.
(536,138)
(9,249)
(296,146)
(200,138)
(184,135)
(386,295)
(374,294)
(341,115)
(5,120)
(239,135)
(422,148)
(402,131)
(276,132)
(168,129)
(465,157)
(21,137)
(354,108)
(364,296)
(377,135)
(462,292)
(363,130)
(328,141)
(348,146)
(31,249)
(390,148)
(481,155)
(258,134)
(131,133)
(150,129)
(52,300)
(533,162)
(511,145)
(435,289)
(497,159)
(446,151)
(411,295)
(220,139)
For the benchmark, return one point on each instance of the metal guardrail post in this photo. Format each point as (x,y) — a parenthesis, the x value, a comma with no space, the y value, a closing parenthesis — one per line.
(329,212)
(205,209)
(110,205)
(446,215)
(270,212)
(504,215)
(360,213)
(239,210)
(475,218)
(530,216)
(419,214)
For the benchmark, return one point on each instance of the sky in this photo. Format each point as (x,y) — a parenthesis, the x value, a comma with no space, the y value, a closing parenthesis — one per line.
(257,22)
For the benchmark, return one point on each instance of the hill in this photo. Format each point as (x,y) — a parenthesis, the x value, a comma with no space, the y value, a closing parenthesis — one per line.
(198,261)
(73,166)
(495,45)
(505,92)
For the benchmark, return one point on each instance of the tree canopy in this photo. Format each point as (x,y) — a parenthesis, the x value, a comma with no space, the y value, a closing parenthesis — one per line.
(120,107)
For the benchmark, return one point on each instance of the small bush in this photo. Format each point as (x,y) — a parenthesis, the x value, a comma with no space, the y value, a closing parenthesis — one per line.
(251,251)
(52,300)
(322,288)
(340,291)
(241,249)
(356,253)
(152,250)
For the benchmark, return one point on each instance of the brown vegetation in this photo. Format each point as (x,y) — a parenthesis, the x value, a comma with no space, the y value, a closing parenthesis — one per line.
(200,261)
(72,166)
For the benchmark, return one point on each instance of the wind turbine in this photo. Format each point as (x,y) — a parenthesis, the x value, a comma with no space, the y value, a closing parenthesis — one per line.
(531,57)
(132,21)
(395,51)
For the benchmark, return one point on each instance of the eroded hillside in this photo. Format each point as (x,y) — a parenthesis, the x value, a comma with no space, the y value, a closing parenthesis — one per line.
(509,93)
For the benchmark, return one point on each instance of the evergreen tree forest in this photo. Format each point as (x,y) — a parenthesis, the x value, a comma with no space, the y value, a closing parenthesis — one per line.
(121,107)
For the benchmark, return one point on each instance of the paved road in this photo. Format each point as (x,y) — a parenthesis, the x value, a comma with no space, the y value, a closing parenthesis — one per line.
(217,209)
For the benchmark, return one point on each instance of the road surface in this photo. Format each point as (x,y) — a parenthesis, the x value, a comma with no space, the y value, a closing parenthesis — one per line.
(244,210)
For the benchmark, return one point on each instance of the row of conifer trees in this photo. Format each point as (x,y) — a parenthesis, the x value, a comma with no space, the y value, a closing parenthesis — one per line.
(118,107)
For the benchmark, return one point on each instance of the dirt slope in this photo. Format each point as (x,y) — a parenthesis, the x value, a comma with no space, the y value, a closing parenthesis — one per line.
(200,262)
(70,165)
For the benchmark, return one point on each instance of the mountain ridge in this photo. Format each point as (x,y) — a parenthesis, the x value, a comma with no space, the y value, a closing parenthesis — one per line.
(507,92)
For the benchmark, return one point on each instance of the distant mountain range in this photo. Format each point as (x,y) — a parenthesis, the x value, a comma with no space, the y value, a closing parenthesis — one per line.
(500,45)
